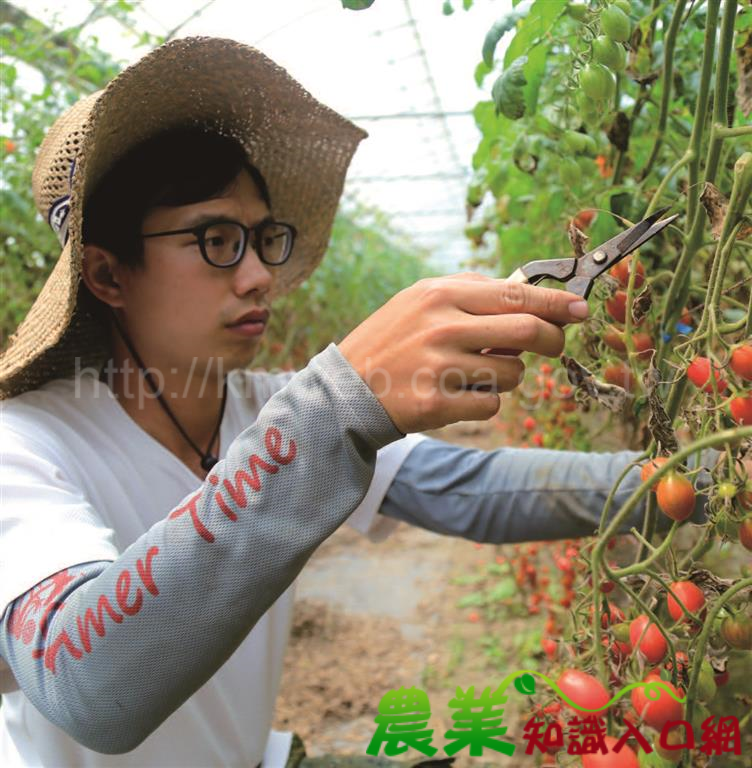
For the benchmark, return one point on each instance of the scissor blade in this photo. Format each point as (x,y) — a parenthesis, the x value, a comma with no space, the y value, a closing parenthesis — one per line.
(657,227)
(634,233)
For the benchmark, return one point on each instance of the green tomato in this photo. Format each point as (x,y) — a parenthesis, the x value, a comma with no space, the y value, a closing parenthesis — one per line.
(597,82)
(615,23)
(579,143)
(625,5)
(706,687)
(578,11)
(609,53)
(727,490)
(569,172)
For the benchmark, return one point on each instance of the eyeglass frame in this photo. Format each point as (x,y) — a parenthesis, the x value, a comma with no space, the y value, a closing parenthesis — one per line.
(199,231)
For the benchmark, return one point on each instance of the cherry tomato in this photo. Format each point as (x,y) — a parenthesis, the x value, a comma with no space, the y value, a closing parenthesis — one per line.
(584,218)
(620,375)
(597,82)
(657,713)
(585,691)
(616,306)
(690,594)
(530,423)
(737,632)
(549,647)
(614,339)
(676,496)
(699,374)
(674,737)
(624,758)
(644,345)
(653,645)
(621,271)
(741,410)
(609,53)
(615,23)
(745,533)
(741,361)
(649,468)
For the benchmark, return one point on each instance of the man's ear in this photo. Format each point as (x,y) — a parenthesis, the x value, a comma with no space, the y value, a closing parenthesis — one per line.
(100,272)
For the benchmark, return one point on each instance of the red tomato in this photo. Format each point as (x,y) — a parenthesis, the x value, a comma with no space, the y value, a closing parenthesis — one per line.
(620,375)
(616,306)
(690,594)
(648,469)
(549,647)
(741,361)
(653,645)
(745,533)
(584,218)
(621,272)
(741,410)
(537,439)
(530,423)
(585,691)
(624,758)
(699,374)
(676,496)
(614,339)
(657,713)
(737,631)
(644,344)
(545,368)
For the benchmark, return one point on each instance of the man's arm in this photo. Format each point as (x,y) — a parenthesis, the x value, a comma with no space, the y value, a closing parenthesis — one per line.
(119,646)
(513,495)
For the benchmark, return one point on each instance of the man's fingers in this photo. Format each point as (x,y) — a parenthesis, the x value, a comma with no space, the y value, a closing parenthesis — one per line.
(526,333)
(483,373)
(501,297)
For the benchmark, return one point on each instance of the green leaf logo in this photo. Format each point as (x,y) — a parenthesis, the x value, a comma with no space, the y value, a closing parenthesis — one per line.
(525,684)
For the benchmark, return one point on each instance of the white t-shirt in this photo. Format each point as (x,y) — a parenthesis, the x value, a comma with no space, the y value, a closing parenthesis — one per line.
(80,481)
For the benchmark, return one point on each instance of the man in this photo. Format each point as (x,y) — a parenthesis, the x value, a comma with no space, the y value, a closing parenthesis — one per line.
(147,581)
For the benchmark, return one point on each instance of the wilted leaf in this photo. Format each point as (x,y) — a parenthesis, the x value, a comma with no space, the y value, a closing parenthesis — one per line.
(659,422)
(507,91)
(578,239)
(715,205)
(609,395)
(642,303)
(618,132)
(504,24)
(525,684)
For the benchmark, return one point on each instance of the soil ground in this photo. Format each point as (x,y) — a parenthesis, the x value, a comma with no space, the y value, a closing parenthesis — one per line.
(373,617)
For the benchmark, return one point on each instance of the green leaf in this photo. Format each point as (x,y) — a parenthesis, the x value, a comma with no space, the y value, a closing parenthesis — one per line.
(467,4)
(525,684)
(480,73)
(505,589)
(504,24)
(534,27)
(535,69)
(447,9)
(508,90)
(357,5)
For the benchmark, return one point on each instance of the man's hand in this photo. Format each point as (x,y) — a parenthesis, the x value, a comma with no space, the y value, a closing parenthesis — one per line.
(420,353)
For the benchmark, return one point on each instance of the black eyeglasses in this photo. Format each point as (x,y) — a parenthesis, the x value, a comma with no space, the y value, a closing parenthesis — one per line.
(223,242)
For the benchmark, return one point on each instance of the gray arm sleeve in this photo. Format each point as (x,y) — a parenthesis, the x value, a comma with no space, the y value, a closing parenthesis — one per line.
(512,495)
(120,645)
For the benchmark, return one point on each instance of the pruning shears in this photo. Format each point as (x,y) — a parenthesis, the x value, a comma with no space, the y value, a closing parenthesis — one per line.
(579,274)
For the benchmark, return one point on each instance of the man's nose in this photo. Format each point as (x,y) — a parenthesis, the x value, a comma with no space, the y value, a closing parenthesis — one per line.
(251,274)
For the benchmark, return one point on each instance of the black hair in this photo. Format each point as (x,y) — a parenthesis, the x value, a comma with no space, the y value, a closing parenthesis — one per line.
(180,166)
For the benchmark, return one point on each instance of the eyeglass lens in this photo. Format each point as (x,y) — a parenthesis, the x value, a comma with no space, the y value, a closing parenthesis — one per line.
(224,243)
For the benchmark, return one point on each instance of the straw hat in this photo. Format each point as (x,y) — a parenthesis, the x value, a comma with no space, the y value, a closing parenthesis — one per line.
(301,147)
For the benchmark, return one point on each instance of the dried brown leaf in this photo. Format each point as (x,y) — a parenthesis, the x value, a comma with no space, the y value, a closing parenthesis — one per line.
(659,422)
(578,239)
(642,303)
(716,206)
(618,132)
(609,395)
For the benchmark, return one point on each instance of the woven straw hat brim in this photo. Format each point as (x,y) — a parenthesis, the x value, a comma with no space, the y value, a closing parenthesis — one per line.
(302,148)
